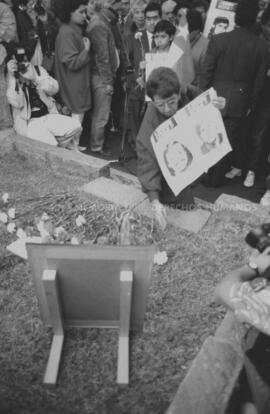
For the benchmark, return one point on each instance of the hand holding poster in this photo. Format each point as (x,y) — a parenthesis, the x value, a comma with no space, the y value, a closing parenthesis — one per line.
(190,142)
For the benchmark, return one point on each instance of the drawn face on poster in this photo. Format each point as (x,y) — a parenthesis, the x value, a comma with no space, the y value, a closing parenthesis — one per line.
(220,17)
(220,25)
(177,158)
(210,137)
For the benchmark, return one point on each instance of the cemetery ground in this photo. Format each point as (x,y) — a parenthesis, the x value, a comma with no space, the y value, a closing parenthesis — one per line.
(181,311)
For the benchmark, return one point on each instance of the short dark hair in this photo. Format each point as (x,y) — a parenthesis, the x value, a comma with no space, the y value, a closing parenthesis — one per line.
(266,15)
(162,82)
(194,20)
(69,7)
(153,7)
(200,3)
(221,19)
(246,13)
(165,26)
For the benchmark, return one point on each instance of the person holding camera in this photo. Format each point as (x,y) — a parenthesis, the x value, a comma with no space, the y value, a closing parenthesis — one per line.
(30,93)
(246,291)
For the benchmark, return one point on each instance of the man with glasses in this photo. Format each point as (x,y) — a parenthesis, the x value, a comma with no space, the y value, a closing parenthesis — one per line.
(167,97)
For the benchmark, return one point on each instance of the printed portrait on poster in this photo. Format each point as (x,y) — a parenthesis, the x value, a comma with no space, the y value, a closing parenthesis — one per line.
(177,158)
(190,142)
(220,17)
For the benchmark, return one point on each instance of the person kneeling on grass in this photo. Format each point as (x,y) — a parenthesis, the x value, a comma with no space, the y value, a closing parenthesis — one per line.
(167,97)
(30,93)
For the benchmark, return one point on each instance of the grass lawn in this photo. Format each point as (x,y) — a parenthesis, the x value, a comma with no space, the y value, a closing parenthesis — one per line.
(181,311)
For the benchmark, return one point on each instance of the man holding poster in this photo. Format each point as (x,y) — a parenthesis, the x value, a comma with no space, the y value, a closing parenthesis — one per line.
(167,97)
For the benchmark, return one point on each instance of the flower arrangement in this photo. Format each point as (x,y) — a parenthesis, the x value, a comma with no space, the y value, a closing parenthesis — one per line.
(75,230)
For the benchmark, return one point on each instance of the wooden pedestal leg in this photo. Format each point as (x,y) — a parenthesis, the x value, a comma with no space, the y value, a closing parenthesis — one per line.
(126,280)
(49,278)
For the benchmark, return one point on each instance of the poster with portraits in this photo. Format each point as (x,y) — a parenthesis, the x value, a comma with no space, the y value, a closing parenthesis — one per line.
(190,142)
(220,17)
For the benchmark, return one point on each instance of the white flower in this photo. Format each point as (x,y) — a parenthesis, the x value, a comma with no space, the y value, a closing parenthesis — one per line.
(44,217)
(58,231)
(11,227)
(21,234)
(74,240)
(3,217)
(40,226)
(11,213)
(80,220)
(5,197)
(138,35)
(160,258)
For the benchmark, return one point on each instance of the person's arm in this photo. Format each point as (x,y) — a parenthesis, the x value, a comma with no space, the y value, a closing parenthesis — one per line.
(71,56)
(15,95)
(98,36)
(261,70)
(233,281)
(209,66)
(148,171)
(46,83)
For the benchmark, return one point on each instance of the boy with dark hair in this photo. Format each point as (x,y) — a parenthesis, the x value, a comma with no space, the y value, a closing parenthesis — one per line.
(164,34)
(167,97)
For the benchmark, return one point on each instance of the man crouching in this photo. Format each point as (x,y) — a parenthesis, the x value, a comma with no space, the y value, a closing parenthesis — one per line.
(167,97)
(30,93)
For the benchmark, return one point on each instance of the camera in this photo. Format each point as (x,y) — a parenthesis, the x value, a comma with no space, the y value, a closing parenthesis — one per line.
(259,237)
(21,59)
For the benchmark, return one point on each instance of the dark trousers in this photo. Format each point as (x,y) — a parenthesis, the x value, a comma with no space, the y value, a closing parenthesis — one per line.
(234,129)
(136,104)
(260,122)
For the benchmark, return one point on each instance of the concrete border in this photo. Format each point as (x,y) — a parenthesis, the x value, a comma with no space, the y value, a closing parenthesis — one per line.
(72,162)
(208,386)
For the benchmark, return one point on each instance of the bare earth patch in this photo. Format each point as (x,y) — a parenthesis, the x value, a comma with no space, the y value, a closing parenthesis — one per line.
(181,311)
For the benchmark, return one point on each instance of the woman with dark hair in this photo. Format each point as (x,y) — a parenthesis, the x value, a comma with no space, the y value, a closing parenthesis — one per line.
(72,59)
(177,158)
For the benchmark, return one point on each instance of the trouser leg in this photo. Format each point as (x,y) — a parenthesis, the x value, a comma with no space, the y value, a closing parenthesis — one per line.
(260,124)
(100,114)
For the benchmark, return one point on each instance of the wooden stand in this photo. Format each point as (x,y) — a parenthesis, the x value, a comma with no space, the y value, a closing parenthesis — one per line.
(49,279)
(126,280)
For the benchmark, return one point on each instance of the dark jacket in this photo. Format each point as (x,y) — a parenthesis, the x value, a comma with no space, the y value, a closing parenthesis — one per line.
(235,65)
(72,68)
(103,50)
(148,171)
(135,56)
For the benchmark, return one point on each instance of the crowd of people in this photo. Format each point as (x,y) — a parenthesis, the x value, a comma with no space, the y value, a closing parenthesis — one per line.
(74,67)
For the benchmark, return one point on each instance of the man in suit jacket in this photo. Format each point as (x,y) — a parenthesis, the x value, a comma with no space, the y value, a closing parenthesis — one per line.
(104,64)
(235,65)
(137,45)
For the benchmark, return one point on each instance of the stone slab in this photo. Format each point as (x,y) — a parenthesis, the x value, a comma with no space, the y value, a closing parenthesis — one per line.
(226,202)
(131,197)
(192,221)
(59,158)
(209,383)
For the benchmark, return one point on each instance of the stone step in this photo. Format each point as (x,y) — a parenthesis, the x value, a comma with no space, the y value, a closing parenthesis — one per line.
(131,197)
